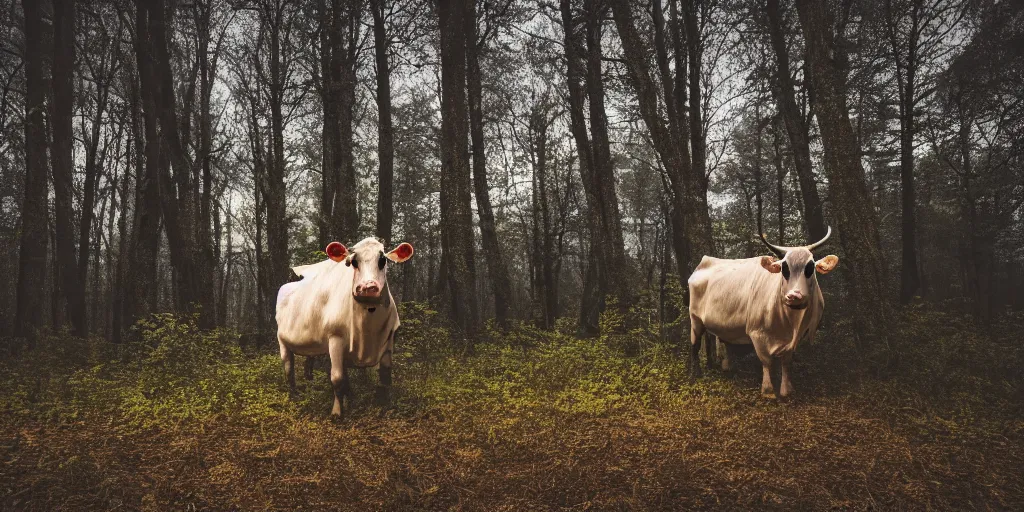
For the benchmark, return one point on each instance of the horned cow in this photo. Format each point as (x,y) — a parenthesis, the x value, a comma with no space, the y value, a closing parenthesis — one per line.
(768,302)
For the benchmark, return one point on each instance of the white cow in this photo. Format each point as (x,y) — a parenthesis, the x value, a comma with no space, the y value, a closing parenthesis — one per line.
(342,307)
(767,302)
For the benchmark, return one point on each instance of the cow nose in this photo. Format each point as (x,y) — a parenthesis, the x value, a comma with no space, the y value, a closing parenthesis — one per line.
(369,288)
(794,295)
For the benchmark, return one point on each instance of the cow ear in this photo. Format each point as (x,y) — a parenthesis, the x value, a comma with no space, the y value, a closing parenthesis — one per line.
(336,251)
(771,265)
(826,264)
(401,253)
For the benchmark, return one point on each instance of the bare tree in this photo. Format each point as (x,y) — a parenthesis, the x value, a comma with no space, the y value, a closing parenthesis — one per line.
(63,162)
(854,210)
(35,209)
(494,255)
(456,213)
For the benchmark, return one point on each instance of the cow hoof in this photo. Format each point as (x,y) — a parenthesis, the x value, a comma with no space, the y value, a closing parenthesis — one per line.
(768,394)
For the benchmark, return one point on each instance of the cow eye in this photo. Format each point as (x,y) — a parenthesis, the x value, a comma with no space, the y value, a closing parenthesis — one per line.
(382,261)
(809,269)
(785,269)
(355,262)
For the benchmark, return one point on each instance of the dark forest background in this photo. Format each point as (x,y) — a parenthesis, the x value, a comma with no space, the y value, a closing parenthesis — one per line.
(560,167)
(180,155)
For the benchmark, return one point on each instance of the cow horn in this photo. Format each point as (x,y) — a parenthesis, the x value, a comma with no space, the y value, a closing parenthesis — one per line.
(821,242)
(779,251)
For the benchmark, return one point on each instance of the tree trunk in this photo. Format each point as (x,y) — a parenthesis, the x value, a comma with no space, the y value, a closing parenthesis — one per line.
(344,58)
(329,97)
(35,209)
(456,213)
(385,132)
(691,227)
(780,182)
(277,215)
(906,78)
(616,275)
(854,212)
(592,299)
(494,255)
(63,162)
(92,165)
(141,274)
(796,128)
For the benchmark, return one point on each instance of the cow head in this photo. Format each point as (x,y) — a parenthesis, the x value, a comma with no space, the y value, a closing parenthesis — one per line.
(797,266)
(369,263)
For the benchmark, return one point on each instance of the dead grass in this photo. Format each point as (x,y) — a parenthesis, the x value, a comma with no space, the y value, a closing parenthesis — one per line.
(483,432)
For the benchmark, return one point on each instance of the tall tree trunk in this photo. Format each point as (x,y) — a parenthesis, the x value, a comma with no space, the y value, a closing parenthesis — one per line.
(179,195)
(616,277)
(691,222)
(456,213)
(385,132)
(35,212)
(208,260)
(141,274)
(494,255)
(854,212)
(547,274)
(592,300)
(796,128)
(906,82)
(277,215)
(780,181)
(329,97)
(92,164)
(63,161)
(344,41)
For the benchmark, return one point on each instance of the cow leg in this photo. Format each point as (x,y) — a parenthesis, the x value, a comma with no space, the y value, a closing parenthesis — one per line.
(384,379)
(288,359)
(307,368)
(339,375)
(727,357)
(696,331)
(786,387)
(710,349)
(767,390)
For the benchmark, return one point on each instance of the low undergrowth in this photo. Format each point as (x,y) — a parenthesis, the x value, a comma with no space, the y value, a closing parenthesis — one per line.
(524,419)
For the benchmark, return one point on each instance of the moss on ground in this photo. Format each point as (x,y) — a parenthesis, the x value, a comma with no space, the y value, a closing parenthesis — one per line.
(525,420)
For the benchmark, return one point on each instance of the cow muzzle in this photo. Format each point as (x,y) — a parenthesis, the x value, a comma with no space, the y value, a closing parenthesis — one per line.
(368,289)
(795,300)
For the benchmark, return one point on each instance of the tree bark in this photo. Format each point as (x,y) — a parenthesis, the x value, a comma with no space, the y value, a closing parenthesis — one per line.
(341,49)
(906,84)
(35,210)
(385,131)
(141,274)
(495,256)
(854,212)
(592,299)
(456,213)
(691,220)
(63,162)
(178,191)
(796,128)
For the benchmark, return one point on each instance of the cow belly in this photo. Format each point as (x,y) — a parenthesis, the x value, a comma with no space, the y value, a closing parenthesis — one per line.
(728,333)
(304,346)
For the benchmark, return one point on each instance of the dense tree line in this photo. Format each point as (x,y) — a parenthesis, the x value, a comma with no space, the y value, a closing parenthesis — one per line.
(181,155)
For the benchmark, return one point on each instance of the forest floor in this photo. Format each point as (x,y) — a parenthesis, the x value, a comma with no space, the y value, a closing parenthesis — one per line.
(185,420)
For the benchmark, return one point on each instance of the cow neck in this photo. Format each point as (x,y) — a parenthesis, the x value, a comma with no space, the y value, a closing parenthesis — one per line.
(373,302)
